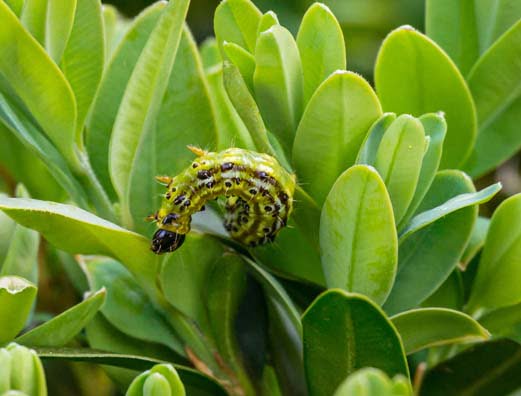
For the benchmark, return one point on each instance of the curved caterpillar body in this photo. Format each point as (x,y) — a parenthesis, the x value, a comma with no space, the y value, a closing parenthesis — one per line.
(259,197)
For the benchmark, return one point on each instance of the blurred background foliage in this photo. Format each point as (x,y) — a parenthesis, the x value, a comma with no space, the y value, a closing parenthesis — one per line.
(365,24)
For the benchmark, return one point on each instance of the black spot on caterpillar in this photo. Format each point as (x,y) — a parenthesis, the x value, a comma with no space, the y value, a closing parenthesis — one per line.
(259,197)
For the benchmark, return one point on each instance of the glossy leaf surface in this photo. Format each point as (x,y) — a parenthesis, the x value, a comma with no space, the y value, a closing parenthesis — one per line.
(331,131)
(427,327)
(413,75)
(357,235)
(360,335)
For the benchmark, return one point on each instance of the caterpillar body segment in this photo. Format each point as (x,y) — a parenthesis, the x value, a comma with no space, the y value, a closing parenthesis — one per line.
(259,197)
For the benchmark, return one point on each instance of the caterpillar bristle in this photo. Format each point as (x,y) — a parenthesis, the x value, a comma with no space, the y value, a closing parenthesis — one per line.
(165,180)
(152,217)
(197,150)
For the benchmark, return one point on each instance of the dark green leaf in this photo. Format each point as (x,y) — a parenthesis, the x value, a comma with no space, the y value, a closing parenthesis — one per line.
(423,265)
(359,334)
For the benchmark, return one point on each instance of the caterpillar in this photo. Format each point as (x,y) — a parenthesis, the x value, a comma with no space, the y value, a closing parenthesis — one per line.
(258,189)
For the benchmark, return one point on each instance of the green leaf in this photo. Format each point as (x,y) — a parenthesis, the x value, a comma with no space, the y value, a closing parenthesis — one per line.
(428,327)
(16,300)
(33,139)
(413,75)
(491,368)
(22,256)
(127,307)
(452,25)
(226,288)
(33,17)
(267,20)
(244,61)
(449,295)
(231,131)
(27,168)
(285,351)
(477,240)
(357,235)
(457,202)
(332,129)
(61,329)
(369,147)
(77,231)
(103,336)
(15,5)
(236,21)
(162,148)
(495,17)
(210,54)
(59,24)
(435,129)
(359,334)
(502,322)
(39,84)
(276,292)
(278,83)
(399,161)
(499,274)
(292,255)
(373,382)
(246,107)
(321,45)
(143,97)
(422,263)
(112,88)
(197,384)
(83,58)
(184,276)
(498,102)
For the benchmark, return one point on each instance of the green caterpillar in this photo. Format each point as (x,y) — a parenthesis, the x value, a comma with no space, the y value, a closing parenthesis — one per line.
(259,197)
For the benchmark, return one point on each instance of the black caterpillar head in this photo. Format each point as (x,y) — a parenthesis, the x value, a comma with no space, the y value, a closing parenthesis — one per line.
(165,241)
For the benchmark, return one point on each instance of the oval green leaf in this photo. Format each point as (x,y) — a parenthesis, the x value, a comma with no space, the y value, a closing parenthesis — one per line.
(358,238)
(38,82)
(413,75)
(321,45)
(435,129)
(236,21)
(162,147)
(244,61)
(278,83)
(83,58)
(112,89)
(369,148)
(332,129)
(357,331)
(428,327)
(399,161)
(143,96)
